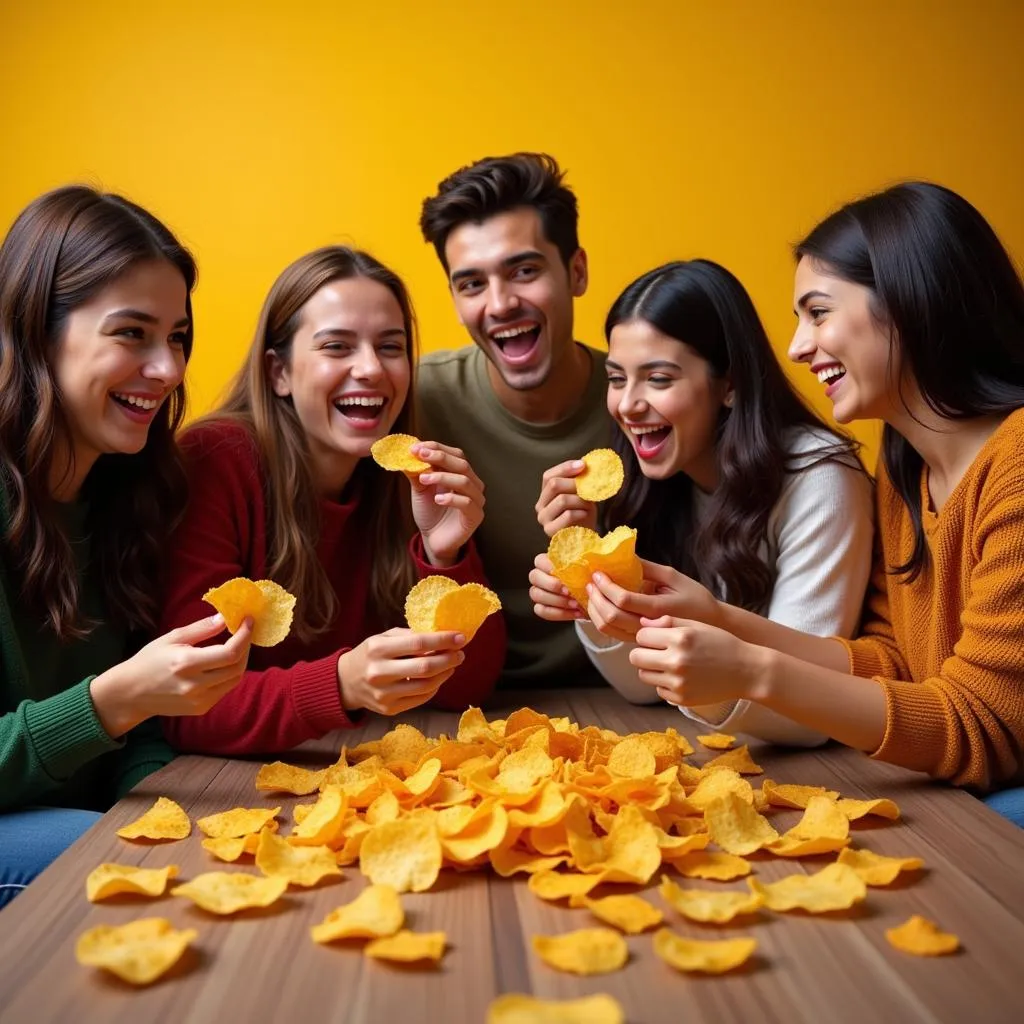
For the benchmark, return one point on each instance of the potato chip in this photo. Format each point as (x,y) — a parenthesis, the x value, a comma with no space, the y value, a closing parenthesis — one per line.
(240,821)
(555,885)
(602,476)
(267,603)
(508,861)
(299,865)
(632,758)
(513,1008)
(288,778)
(375,913)
(707,957)
(115,879)
(788,795)
(717,740)
(716,784)
(485,832)
(138,952)
(822,829)
(855,809)
(585,951)
(223,892)
(164,820)
(739,760)
(736,827)
(630,914)
(405,854)
(836,887)
(875,869)
(922,937)
(577,552)
(437,604)
(719,867)
(707,906)
(393,451)
(231,848)
(322,824)
(408,947)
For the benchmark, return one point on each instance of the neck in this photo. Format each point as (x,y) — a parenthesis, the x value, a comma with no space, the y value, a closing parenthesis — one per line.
(556,398)
(331,472)
(68,471)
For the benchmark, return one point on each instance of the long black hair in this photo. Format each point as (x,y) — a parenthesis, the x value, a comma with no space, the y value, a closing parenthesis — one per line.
(705,307)
(953,301)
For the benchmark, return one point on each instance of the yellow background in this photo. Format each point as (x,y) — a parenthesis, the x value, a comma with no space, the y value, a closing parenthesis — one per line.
(721,129)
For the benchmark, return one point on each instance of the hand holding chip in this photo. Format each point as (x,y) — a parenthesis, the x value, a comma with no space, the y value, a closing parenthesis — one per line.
(550,596)
(691,663)
(394,671)
(447,501)
(171,676)
(559,505)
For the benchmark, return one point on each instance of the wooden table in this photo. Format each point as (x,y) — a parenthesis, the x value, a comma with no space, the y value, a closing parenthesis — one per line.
(263,966)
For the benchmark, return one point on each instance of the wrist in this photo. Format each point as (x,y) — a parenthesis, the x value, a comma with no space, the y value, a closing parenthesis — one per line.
(113,708)
(760,673)
(348,701)
(439,559)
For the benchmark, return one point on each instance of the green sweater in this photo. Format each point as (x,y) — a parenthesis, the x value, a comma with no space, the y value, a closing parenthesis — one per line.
(458,406)
(53,749)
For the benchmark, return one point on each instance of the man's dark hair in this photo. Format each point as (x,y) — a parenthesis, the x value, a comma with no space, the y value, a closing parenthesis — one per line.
(496,185)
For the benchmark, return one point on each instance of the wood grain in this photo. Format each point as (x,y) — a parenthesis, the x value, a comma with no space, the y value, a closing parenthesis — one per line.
(262,966)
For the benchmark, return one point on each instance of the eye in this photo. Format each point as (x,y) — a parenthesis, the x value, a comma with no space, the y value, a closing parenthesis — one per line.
(816,313)
(469,285)
(393,348)
(135,333)
(616,380)
(336,347)
(178,339)
(659,380)
(526,272)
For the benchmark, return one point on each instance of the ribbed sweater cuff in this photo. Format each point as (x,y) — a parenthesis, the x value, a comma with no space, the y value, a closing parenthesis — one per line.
(466,570)
(864,661)
(915,727)
(66,731)
(316,695)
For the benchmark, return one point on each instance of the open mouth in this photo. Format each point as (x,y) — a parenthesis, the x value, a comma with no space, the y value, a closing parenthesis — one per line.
(516,344)
(137,407)
(831,375)
(649,441)
(363,412)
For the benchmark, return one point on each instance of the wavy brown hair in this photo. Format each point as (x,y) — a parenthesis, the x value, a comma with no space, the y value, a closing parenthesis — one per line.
(291,496)
(63,249)
(702,305)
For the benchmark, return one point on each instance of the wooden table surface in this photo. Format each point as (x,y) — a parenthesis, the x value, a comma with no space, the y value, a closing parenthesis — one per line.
(262,965)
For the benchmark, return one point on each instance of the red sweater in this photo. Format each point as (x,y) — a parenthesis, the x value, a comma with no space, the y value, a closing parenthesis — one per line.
(290,692)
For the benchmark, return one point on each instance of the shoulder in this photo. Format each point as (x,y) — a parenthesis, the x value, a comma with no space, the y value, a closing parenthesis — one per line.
(220,446)
(447,365)
(834,484)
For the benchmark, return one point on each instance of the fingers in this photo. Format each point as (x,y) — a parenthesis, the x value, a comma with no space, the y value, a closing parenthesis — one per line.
(447,462)
(559,505)
(404,643)
(232,652)
(628,601)
(610,620)
(564,471)
(196,632)
(543,563)
(662,575)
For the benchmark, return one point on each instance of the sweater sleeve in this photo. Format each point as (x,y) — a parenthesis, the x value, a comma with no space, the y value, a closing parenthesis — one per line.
(611,658)
(823,523)
(43,743)
(966,723)
(473,681)
(268,711)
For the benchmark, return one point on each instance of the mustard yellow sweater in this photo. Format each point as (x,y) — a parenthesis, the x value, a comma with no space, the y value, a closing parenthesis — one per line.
(948,649)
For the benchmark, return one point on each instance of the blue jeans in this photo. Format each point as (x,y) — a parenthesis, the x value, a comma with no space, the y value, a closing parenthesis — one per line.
(1009,803)
(31,839)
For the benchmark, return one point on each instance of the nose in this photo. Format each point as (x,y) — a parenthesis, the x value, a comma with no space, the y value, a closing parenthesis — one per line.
(166,365)
(631,401)
(802,347)
(502,300)
(367,364)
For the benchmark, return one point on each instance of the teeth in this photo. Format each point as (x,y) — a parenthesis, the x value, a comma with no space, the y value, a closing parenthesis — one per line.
(638,430)
(512,332)
(360,401)
(830,373)
(141,403)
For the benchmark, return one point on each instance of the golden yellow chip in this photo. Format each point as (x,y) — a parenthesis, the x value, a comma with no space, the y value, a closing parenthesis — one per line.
(707,906)
(240,821)
(577,552)
(405,854)
(323,822)
(114,879)
(717,740)
(508,861)
(585,951)
(707,957)
(788,795)
(393,452)
(719,867)
(716,784)
(822,829)
(632,758)
(554,885)
(855,809)
(138,952)
(736,827)
(739,760)
(408,947)
(836,887)
(877,870)
(223,892)
(602,478)
(231,848)
(298,865)
(164,820)
(421,601)
(267,603)
(630,914)
(288,778)
(922,937)
(375,913)
(514,1008)
(464,610)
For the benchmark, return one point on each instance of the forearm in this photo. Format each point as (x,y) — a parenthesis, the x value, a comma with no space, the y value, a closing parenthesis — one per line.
(847,708)
(818,651)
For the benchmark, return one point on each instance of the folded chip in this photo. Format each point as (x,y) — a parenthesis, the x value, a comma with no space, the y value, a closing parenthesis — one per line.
(267,603)
(437,604)
(577,552)
(138,952)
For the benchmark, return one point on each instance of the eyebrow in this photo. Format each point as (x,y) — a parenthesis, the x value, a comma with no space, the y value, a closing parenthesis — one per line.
(654,364)
(801,303)
(137,314)
(391,332)
(507,264)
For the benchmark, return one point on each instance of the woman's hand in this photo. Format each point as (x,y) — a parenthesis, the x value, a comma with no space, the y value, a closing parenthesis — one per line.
(171,676)
(559,505)
(691,663)
(447,502)
(550,596)
(394,671)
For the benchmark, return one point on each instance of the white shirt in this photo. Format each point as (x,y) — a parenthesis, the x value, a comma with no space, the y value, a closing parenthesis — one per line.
(818,545)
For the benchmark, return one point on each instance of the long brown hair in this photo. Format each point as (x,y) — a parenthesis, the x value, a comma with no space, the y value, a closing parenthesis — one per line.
(291,496)
(62,250)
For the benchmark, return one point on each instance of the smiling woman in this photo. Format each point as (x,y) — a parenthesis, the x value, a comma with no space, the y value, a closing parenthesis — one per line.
(282,486)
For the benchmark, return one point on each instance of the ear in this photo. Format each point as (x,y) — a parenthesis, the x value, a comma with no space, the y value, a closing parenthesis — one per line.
(730,395)
(277,373)
(579,276)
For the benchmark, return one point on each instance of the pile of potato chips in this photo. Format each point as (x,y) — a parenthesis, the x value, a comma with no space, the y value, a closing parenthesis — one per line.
(573,808)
